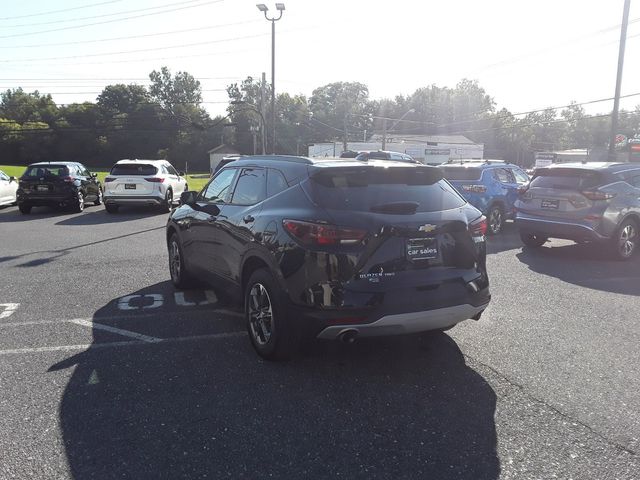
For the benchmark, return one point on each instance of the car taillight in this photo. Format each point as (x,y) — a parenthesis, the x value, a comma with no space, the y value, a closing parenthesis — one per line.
(478,228)
(522,189)
(109,179)
(321,234)
(155,180)
(597,195)
(474,188)
(68,179)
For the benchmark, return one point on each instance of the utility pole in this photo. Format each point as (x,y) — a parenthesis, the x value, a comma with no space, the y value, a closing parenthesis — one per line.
(616,101)
(263,110)
(344,140)
(384,133)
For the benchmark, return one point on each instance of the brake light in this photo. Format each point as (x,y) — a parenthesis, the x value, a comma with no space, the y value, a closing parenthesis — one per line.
(109,179)
(474,188)
(155,180)
(478,228)
(310,233)
(598,195)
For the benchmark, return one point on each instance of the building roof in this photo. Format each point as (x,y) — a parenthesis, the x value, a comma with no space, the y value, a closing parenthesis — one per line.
(397,138)
(224,149)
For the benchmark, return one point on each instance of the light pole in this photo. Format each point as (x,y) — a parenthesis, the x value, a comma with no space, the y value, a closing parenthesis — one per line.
(263,8)
(384,127)
(616,100)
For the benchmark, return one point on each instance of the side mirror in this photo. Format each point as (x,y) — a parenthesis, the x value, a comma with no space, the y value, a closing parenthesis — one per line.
(181,173)
(12,179)
(188,198)
(94,175)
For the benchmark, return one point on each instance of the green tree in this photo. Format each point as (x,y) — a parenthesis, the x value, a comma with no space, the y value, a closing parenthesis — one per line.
(170,91)
(28,107)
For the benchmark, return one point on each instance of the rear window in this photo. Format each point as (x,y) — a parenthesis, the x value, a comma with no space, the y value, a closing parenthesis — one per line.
(47,171)
(372,156)
(566,179)
(461,173)
(133,169)
(371,189)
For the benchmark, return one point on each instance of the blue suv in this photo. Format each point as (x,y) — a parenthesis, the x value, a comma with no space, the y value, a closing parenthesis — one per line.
(491,186)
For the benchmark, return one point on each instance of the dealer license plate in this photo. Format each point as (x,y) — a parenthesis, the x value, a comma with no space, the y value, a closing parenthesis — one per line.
(42,188)
(550,204)
(129,186)
(422,249)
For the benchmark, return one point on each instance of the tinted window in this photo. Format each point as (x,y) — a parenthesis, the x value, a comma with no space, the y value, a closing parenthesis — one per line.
(219,188)
(275,183)
(47,171)
(364,189)
(373,156)
(565,179)
(503,175)
(171,170)
(461,173)
(134,169)
(83,171)
(251,186)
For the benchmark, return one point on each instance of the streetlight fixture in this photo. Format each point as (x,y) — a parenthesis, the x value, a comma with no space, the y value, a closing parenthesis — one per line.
(264,9)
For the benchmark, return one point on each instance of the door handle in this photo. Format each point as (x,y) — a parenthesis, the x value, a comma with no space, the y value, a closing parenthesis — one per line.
(248,219)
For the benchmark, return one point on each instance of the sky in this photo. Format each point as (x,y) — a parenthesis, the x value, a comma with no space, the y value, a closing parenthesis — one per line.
(527,54)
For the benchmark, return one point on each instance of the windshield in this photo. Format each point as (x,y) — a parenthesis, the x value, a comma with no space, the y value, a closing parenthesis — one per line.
(134,169)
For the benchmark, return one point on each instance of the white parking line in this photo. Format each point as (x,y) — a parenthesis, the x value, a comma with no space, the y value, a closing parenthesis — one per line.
(8,309)
(119,331)
(93,346)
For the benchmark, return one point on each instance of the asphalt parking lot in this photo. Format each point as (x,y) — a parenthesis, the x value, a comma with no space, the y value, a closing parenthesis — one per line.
(107,372)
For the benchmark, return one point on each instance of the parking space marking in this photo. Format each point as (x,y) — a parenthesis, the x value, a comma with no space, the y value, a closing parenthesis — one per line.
(118,331)
(8,309)
(125,302)
(131,343)
(210,299)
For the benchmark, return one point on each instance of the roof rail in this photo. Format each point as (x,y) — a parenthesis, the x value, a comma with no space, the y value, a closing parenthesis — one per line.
(279,158)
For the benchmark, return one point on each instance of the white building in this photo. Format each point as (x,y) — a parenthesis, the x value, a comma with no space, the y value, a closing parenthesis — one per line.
(429,149)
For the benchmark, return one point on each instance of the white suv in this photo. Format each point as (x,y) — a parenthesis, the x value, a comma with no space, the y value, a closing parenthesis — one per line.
(143,182)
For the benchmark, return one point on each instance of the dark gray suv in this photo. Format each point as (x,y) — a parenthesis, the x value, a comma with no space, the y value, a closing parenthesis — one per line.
(584,202)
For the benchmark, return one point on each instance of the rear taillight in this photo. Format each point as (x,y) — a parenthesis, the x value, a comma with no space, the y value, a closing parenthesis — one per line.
(68,179)
(155,180)
(597,195)
(109,179)
(478,228)
(522,189)
(309,233)
(474,188)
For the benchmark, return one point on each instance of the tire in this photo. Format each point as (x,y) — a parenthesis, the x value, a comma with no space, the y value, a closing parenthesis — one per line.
(98,200)
(180,277)
(111,208)
(78,206)
(270,330)
(495,220)
(533,240)
(625,241)
(167,205)
(24,208)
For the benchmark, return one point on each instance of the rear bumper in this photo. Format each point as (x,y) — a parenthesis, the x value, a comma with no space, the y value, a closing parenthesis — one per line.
(405,323)
(575,231)
(133,200)
(43,200)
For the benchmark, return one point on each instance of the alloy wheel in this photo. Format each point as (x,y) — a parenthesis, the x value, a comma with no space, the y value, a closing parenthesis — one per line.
(627,240)
(80,202)
(174,261)
(495,220)
(260,314)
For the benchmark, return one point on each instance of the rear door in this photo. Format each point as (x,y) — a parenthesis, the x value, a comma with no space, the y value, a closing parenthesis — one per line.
(417,225)
(46,180)
(130,179)
(560,193)
(177,182)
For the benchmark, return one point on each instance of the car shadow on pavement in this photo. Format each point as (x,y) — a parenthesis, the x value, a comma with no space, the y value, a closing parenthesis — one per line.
(13,215)
(507,239)
(101,217)
(585,265)
(403,407)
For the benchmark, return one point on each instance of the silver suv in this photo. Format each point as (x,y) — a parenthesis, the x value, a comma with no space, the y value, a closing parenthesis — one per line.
(583,202)
(143,182)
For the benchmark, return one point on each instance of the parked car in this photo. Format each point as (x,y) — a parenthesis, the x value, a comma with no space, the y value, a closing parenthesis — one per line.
(332,249)
(385,155)
(491,186)
(64,184)
(583,202)
(143,182)
(8,190)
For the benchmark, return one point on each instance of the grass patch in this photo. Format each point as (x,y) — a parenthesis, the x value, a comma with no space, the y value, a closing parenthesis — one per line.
(196,181)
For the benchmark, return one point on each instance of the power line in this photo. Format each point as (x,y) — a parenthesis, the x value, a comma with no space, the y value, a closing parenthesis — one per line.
(39,14)
(71,27)
(82,42)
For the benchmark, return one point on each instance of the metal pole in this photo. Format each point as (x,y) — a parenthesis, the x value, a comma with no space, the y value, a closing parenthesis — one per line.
(384,133)
(273,85)
(616,101)
(344,140)
(263,110)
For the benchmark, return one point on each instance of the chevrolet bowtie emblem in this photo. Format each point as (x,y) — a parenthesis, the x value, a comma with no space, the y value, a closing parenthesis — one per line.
(427,228)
